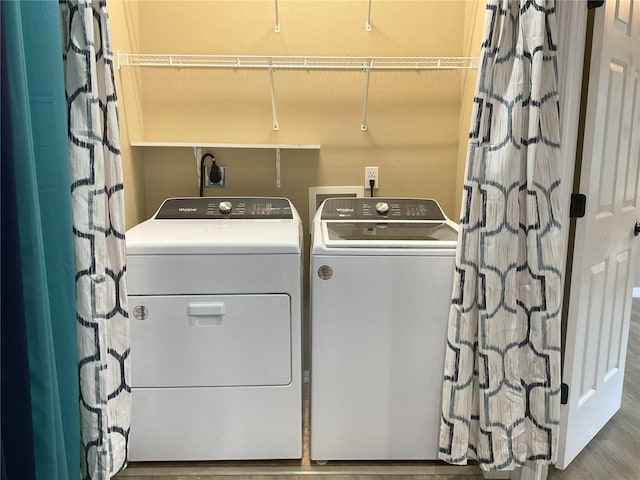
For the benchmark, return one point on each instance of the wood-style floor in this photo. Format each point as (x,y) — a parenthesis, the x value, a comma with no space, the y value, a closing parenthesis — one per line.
(614,454)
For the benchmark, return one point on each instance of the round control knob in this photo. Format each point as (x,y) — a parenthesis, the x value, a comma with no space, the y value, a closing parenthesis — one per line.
(225,207)
(382,208)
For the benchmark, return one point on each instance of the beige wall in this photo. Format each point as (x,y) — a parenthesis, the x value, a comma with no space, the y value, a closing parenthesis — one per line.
(474,19)
(414,118)
(125,35)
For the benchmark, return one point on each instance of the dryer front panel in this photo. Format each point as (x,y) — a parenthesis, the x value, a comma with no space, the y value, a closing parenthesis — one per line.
(210,340)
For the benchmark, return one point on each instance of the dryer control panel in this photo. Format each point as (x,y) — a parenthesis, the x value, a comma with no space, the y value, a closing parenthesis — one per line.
(224,208)
(387,208)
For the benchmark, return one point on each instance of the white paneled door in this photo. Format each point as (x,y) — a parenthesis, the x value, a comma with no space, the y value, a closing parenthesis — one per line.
(605,242)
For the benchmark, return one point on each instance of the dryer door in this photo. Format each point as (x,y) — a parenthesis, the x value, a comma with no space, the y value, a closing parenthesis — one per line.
(210,340)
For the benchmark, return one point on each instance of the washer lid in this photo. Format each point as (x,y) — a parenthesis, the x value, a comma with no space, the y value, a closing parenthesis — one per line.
(391,231)
(273,226)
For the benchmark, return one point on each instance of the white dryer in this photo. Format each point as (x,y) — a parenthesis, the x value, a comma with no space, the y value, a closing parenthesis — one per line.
(215,300)
(381,282)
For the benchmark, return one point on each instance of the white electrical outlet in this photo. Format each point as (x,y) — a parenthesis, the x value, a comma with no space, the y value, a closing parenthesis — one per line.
(371,173)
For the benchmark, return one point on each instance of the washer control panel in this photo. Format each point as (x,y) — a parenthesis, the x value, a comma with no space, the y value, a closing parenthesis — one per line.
(388,208)
(225,208)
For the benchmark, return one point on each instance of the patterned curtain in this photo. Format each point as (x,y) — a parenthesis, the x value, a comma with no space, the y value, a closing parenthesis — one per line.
(501,388)
(98,225)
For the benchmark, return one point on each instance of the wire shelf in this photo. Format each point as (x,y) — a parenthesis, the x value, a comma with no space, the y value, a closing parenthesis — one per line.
(296,62)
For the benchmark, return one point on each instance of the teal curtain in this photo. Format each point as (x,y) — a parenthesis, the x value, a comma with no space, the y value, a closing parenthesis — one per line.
(33,76)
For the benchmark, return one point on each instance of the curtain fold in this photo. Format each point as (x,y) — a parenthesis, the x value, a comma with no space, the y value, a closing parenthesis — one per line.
(18,460)
(98,225)
(501,388)
(35,116)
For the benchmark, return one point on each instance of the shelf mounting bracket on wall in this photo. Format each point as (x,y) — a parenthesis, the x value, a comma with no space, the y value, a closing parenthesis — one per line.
(277,27)
(277,168)
(197,152)
(276,126)
(368,25)
(363,125)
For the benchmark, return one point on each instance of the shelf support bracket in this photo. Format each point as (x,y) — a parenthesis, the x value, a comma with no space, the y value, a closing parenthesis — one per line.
(368,25)
(363,125)
(277,27)
(276,126)
(197,152)
(277,168)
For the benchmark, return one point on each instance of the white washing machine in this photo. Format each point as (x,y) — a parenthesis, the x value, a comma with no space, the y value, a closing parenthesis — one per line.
(215,300)
(381,283)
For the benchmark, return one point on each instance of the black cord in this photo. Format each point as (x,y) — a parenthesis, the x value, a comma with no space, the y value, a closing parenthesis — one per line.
(372,183)
(212,175)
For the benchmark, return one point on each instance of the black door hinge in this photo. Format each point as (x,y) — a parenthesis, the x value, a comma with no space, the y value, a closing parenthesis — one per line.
(578,205)
(564,394)
(591,4)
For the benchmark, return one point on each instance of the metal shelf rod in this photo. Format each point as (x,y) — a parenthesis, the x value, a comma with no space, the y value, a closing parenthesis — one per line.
(275,124)
(363,124)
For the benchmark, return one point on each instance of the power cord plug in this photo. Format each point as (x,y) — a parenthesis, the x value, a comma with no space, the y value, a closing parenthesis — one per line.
(372,183)
(202,170)
(215,174)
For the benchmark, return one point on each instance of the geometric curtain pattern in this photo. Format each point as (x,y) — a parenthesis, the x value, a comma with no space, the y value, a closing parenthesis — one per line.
(501,387)
(99,227)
